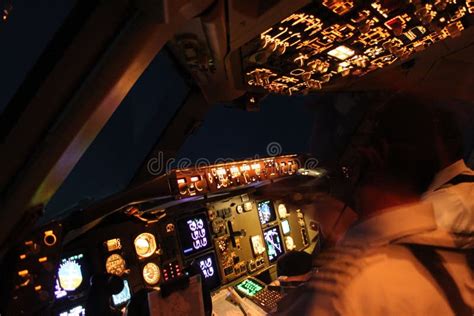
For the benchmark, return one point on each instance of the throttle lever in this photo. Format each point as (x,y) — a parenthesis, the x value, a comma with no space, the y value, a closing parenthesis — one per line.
(233,234)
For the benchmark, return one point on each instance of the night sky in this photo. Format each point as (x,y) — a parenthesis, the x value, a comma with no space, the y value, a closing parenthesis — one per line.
(23,38)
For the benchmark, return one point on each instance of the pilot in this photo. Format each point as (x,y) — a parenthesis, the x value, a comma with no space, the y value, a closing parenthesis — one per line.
(394,260)
(293,269)
(452,190)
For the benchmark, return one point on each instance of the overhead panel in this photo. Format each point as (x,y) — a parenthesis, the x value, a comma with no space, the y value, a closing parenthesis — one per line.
(318,46)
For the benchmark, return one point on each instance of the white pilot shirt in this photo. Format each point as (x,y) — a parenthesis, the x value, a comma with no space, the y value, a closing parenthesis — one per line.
(453,204)
(370,274)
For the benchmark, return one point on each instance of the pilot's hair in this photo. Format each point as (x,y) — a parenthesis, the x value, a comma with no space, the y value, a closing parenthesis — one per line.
(404,135)
(449,133)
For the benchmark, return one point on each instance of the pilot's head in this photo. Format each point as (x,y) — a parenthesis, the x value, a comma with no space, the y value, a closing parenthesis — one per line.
(449,136)
(401,157)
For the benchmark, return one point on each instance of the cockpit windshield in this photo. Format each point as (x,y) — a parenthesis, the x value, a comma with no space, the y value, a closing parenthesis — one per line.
(111,161)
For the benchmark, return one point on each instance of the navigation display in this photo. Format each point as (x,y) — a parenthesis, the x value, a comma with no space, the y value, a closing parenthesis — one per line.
(71,274)
(274,243)
(249,287)
(208,265)
(266,212)
(78,310)
(194,234)
(123,297)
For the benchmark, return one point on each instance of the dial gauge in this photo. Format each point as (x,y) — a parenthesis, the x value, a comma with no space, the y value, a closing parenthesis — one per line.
(115,264)
(151,273)
(145,245)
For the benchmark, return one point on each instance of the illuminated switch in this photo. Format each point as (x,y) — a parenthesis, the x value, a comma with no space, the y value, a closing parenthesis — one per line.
(113,244)
(341,52)
(340,7)
(247,206)
(396,25)
(170,228)
(32,247)
(49,238)
(245,197)
(252,266)
(470,6)
(25,278)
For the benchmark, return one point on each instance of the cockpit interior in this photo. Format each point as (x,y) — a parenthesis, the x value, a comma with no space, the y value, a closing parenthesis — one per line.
(160,157)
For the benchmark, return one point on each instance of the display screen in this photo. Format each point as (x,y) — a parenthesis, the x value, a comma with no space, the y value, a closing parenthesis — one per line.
(123,297)
(194,234)
(274,243)
(285,227)
(266,212)
(78,310)
(208,265)
(71,274)
(249,287)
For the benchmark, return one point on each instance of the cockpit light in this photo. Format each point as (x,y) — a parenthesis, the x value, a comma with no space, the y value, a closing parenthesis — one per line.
(245,167)
(341,52)
(145,245)
(113,244)
(221,172)
(234,170)
(256,166)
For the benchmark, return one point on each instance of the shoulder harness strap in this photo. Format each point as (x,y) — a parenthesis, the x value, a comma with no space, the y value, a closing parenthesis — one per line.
(433,263)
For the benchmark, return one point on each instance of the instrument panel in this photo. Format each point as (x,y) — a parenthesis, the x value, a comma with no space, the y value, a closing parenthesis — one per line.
(226,239)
